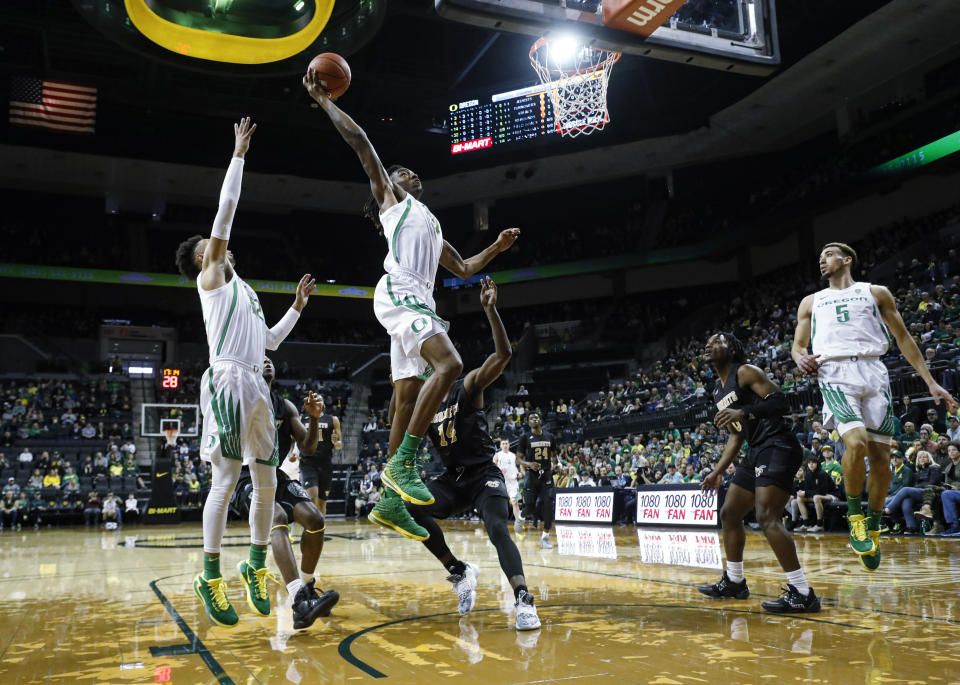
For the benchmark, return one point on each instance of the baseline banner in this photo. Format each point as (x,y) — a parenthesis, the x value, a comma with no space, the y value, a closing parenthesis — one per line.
(596,542)
(682,505)
(583,505)
(680,548)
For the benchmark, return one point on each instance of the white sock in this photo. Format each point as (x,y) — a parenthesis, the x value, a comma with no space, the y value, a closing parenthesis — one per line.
(799,581)
(305,577)
(735,571)
(293,587)
(545,535)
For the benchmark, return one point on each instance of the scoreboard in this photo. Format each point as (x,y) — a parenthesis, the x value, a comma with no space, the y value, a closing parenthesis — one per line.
(508,117)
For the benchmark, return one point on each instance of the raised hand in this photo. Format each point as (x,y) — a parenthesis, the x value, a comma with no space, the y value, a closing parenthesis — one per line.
(313,85)
(507,238)
(488,292)
(306,286)
(242,133)
(312,406)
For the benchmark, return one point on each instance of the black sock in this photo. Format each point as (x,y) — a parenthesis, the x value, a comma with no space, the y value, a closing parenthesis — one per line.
(457,567)
(517,590)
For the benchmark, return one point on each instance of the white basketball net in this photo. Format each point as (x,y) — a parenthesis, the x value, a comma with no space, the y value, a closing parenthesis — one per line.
(578,85)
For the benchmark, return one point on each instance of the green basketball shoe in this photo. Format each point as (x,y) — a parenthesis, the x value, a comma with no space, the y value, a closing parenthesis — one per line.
(402,475)
(390,512)
(255,587)
(871,562)
(213,594)
(859,540)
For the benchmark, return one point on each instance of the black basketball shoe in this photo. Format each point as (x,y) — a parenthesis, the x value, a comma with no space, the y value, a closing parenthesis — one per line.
(726,589)
(306,608)
(327,599)
(792,602)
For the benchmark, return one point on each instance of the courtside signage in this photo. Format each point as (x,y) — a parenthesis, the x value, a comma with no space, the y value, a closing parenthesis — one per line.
(595,542)
(680,548)
(584,506)
(677,505)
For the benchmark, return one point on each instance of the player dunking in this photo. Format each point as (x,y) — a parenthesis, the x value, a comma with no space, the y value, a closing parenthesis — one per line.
(751,408)
(535,453)
(238,416)
(294,504)
(316,469)
(472,479)
(849,325)
(403,303)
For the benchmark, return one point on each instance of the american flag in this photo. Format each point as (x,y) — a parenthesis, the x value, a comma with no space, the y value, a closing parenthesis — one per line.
(54,105)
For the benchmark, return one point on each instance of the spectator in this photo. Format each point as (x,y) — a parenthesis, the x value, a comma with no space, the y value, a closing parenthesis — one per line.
(131,510)
(88,432)
(953,427)
(902,475)
(9,511)
(691,476)
(936,423)
(586,480)
(111,510)
(11,487)
(91,509)
(26,457)
(71,482)
(671,476)
(569,478)
(52,479)
(908,497)
(36,509)
(36,480)
(4,464)
(620,480)
(815,483)
(911,412)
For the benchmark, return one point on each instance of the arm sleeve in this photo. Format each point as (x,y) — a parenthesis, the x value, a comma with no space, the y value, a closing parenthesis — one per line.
(281,330)
(229,196)
(772,406)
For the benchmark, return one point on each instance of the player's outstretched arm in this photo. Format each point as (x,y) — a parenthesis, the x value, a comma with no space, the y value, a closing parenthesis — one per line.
(480,378)
(383,190)
(306,437)
(281,330)
(212,270)
(908,347)
(451,260)
(806,362)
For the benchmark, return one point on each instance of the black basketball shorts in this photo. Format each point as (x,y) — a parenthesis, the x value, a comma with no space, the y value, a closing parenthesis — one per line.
(316,475)
(288,495)
(474,487)
(770,464)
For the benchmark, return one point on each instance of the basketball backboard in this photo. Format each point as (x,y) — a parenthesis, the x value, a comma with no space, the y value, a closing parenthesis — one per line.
(155,417)
(730,35)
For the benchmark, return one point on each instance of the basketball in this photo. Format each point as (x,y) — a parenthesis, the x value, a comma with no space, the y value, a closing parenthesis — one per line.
(334,73)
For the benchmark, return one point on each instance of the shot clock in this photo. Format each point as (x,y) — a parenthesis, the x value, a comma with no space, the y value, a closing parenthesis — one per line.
(170,379)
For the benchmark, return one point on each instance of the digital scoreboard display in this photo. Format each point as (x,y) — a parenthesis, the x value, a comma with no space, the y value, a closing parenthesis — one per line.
(508,117)
(171,379)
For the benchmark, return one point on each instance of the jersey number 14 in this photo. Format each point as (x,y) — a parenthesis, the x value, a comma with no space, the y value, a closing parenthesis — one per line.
(448,433)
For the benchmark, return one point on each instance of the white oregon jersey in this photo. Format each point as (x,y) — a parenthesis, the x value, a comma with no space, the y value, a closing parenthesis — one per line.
(506,462)
(847,323)
(414,239)
(234,321)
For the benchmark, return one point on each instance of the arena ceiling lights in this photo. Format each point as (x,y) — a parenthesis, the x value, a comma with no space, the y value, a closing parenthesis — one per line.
(252,37)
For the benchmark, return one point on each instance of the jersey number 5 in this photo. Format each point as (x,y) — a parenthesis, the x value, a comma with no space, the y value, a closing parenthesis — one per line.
(842,314)
(448,434)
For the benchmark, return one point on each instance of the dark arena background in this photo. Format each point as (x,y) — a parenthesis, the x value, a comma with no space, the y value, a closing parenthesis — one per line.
(675,170)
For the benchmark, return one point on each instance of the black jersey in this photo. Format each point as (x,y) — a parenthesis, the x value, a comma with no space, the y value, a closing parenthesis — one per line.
(281,420)
(459,431)
(539,448)
(759,431)
(324,454)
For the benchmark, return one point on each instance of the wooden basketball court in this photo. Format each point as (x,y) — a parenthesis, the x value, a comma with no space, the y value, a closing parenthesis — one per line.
(83,606)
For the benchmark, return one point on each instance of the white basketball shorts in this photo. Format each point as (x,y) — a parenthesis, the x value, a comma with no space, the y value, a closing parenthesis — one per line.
(407,311)
(237,415)
(513,489)
(857,394)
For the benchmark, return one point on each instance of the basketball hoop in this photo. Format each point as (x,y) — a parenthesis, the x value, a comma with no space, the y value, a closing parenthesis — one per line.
(170,434)
(577,84)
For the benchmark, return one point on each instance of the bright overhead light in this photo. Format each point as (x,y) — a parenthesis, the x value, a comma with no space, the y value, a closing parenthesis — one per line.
(563,48)
(298,6)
